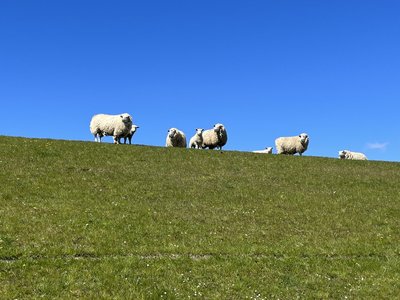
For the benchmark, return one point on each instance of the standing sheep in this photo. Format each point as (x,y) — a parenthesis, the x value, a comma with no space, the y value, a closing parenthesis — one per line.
(292,144)
(267,150)
(175,138)
(215,138)
(197,140)
(117,126)
(346,154)
(130,134)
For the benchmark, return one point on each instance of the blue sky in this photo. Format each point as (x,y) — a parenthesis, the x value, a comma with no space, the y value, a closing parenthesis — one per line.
(263,68)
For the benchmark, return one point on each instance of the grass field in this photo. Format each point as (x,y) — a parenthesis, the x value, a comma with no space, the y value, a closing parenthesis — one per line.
(87,220)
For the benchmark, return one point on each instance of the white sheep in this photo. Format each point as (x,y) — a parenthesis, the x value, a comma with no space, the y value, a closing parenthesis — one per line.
(346,154)
(292,144)
(117,126)
(267,150)
(175,138)
(130,134)
(197,140)
(215,137)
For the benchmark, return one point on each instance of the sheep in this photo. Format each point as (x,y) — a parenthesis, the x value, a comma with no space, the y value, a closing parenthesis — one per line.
(267,150)
(292,145)
(175,138)
(116,125)
(346,154)
(215,137)
(197,140)
(130,134)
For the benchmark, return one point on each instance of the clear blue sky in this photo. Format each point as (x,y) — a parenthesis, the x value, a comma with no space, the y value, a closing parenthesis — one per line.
(263,68)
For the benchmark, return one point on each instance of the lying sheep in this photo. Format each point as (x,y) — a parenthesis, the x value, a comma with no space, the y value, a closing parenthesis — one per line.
(215,138)
(130,134)
(175,138)
(197,140)
(117,126)
(346,154)
(267,150)
(292,145)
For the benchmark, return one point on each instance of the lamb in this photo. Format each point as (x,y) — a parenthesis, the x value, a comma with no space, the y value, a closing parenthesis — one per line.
(175,138)
(197,140)
(116,125)
(292,145)
(346,154)
(130,134)
(215,138)
(267,150)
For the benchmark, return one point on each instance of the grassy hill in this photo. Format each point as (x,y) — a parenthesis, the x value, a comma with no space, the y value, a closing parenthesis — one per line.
(87,220)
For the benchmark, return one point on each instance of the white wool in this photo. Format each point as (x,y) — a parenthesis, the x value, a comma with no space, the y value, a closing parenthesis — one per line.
(267,150)
(117,126)
(175,138)
(292,144)
(197,140)
(346,154)
(215,137)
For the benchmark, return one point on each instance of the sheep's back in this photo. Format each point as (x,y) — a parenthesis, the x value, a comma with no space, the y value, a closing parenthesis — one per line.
(288,145)
(210,138)
(109,124)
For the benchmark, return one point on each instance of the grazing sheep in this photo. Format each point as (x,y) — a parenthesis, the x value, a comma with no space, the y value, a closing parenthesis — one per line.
(267,150)
(117,126)
(197,140)
(215,138)
(346,154)
(175,138)
(130,134)
(292,145)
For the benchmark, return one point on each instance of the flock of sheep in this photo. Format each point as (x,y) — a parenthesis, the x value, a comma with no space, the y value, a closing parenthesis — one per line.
(121,126)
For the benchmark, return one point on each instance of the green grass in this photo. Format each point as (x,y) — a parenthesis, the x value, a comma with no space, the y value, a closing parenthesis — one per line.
(87,220)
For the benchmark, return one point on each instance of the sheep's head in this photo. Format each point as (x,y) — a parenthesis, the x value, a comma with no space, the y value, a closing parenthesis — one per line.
(219,127)
(304,139)
(134,128)
(342,154)
(172,132)
(269,149)
(126,118)
(199,131)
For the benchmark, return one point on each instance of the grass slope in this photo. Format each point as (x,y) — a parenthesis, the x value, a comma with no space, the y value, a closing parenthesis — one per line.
(80,219)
